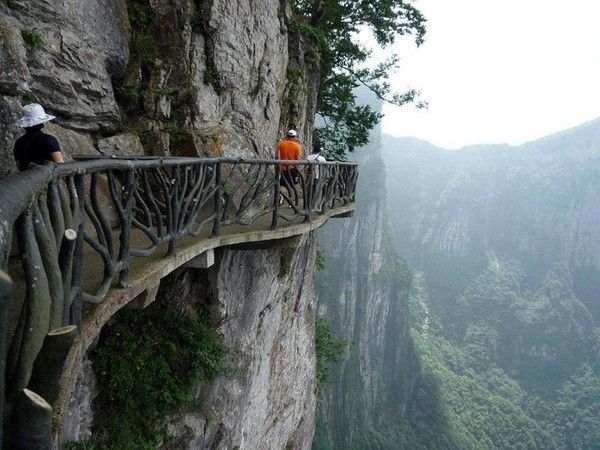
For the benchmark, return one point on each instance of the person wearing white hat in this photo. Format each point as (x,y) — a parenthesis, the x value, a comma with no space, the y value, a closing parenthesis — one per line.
(35,146)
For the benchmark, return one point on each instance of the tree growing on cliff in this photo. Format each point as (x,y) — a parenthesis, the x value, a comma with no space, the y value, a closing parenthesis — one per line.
(334,26)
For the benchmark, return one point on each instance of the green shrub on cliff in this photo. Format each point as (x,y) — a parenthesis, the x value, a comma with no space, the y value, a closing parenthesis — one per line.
(33,38)
(320,261)
(144,48)
(328,349)
(139,13)
(146,368)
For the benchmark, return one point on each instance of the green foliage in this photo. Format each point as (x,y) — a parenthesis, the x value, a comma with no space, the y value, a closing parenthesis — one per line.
(346,127)
(130,95)
(144,48)
(505,326)
(196,20)
(294,76)
(334,27)
(140,16)
(543,332)
(87,444)
(139,13)
(578,410)
(320,261)
(464,397)
(456,406)
(177,134)
(480,345)
(329,350)
(33,38)
(146,368)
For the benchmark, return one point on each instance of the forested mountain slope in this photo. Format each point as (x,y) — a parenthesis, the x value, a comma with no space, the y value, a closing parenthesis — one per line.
(506,244)
(468,287)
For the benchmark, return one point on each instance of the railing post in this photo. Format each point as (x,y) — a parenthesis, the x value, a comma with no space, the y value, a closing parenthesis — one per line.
(77,286)
(171,202)
(276,194)
(125,237)
(5,290)
(308,202)
(218,200)
(353,180)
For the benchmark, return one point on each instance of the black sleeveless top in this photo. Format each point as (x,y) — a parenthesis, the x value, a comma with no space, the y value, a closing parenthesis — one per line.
(34,147)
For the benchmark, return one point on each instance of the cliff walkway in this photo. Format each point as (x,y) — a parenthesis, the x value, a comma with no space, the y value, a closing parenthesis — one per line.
(97,234)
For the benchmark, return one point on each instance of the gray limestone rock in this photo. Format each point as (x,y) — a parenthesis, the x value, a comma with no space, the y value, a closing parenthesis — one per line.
(126,144)
(85,43)
(78,421)
(14,73)
(269,317)
(245,55)
(71,142)
(10,109)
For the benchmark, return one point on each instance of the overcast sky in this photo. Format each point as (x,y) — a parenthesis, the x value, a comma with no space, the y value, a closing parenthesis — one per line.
(496,71)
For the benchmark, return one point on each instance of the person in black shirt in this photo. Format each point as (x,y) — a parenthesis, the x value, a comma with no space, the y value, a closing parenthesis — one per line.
(35,146)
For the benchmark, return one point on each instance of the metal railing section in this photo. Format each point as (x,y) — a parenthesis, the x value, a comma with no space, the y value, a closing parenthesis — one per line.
(101,213)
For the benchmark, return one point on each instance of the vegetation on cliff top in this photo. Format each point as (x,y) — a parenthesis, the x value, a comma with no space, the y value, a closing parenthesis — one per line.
(334,26)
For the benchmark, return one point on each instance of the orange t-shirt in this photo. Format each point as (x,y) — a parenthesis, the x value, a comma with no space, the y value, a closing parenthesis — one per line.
(288,150)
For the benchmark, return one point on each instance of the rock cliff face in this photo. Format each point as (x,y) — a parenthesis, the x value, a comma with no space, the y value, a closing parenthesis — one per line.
(186,77)
(266,306)
(263,303)
(537,203)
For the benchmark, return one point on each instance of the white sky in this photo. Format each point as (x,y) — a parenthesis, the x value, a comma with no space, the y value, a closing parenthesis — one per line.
(496,71)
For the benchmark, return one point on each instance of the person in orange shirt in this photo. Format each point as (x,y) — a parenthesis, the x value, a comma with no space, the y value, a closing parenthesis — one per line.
(289,150)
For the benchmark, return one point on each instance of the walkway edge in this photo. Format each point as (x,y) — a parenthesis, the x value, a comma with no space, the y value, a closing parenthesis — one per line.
(157,270)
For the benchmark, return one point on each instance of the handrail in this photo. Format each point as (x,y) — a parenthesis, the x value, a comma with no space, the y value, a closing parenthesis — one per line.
(114,209)
(222,160)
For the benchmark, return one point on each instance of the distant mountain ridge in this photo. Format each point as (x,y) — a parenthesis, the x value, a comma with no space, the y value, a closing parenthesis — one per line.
(561,141)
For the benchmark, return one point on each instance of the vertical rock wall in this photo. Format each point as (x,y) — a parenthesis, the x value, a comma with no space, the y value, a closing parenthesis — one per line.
(263,302)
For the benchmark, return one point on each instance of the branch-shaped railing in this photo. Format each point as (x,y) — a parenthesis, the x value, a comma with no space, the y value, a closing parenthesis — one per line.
(79,225)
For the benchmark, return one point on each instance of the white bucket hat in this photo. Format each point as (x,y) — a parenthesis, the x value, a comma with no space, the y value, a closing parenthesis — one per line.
(33,114)
(292,133)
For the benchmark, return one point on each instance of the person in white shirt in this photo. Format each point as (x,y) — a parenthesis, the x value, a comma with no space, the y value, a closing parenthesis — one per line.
(316,157)
(315,188)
